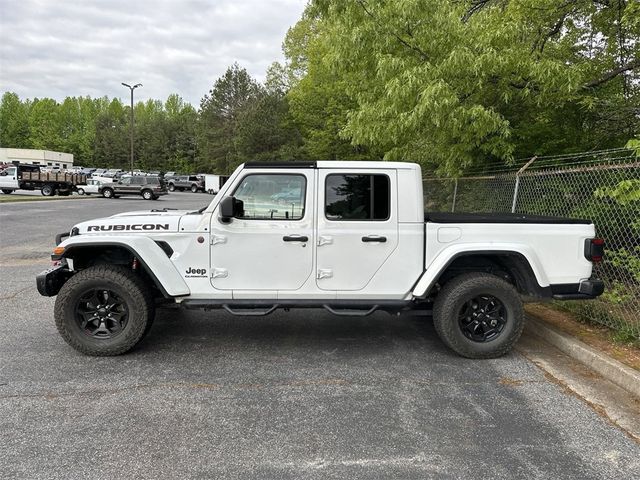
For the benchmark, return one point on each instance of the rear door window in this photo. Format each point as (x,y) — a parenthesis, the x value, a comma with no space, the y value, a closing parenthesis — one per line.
(357,197)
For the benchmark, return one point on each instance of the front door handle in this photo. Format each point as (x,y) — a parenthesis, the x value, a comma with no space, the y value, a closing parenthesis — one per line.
(295,238)
(374,238)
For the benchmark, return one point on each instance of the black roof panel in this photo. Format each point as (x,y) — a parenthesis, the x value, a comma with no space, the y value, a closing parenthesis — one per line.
(308,164)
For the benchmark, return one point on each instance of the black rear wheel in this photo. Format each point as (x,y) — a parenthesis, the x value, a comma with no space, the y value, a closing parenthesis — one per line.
(48,190)
(478,315)
(147,194)
(107,193)
(194,188)
(7,191)
(104,310)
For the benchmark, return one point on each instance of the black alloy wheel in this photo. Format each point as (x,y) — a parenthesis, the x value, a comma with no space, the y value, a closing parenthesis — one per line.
(101,314)
(482,318)
(478,315)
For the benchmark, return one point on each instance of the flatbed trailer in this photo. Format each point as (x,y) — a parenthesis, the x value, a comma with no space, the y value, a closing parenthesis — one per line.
(29,177)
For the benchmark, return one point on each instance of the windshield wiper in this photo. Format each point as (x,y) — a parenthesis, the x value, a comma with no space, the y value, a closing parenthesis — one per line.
(198,212)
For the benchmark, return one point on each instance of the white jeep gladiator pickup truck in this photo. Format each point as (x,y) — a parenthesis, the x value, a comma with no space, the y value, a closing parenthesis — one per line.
(349,237)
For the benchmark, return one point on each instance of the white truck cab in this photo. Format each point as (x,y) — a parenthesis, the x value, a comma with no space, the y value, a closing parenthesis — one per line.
(350,237)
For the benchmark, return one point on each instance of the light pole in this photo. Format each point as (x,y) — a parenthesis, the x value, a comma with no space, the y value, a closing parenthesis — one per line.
(131,121)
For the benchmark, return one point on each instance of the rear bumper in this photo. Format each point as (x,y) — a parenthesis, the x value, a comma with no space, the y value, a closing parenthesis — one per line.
(584,290)
(51,281)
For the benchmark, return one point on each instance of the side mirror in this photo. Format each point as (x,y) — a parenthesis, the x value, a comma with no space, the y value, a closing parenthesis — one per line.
(231,207)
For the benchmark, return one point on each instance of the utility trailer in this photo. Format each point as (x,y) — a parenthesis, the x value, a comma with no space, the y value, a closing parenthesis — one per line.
(213,183)
(30,177)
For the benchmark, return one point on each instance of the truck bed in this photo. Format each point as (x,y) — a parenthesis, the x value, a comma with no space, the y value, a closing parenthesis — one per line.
(446,217)
(70,178)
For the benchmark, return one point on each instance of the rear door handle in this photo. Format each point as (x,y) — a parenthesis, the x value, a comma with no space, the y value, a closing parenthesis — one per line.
(295,238)
(374,238)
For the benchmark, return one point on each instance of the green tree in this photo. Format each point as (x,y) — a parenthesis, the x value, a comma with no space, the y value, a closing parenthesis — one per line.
(318,99)
(112,134)
(455,83)
(14,122)
(44,124)
(220,110)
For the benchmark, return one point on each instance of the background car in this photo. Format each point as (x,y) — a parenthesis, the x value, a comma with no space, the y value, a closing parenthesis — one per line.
(149,188)
(92,187)
(186,182)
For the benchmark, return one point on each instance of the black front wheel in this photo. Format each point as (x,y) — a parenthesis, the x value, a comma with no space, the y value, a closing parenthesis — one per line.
(479,315)
(104,310)
(7,191)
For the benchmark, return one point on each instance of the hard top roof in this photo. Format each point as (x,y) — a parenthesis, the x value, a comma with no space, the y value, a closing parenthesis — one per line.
(333,164)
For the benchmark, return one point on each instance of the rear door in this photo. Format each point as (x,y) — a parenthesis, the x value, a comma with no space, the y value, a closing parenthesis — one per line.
(357,226)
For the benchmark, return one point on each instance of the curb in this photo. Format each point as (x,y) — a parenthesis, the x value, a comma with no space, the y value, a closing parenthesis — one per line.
(611,369)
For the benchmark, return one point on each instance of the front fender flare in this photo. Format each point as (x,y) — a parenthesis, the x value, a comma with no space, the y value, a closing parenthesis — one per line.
(146,250)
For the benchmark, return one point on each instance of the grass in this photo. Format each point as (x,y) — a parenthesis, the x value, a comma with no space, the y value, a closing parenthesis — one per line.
(29,198)
(620,344)
(614,317)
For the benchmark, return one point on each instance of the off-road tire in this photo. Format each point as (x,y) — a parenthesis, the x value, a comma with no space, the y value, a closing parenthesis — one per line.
(451,299)
(108,193)
(147,194)
(128,286)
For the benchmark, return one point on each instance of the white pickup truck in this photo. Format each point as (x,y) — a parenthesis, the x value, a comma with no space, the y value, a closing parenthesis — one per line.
(349,237)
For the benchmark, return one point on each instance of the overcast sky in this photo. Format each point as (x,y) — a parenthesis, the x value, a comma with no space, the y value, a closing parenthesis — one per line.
(59,48)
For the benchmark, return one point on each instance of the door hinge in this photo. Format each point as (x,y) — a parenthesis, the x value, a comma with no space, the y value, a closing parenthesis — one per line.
(324,240)
(219,273)
(324,273)
(216,239)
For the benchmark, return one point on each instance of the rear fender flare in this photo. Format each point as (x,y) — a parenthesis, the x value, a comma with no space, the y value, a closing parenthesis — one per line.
(440,263)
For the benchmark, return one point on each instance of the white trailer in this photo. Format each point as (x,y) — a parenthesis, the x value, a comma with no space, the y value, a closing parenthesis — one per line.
(212,183)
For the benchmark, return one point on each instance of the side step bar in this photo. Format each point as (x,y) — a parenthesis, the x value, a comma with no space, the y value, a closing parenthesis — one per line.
(257,308)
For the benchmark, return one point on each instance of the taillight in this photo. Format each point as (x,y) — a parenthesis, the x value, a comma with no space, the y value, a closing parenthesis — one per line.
(594,249)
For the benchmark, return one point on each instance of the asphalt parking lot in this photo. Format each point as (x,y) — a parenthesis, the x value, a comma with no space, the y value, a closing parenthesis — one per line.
(293,395)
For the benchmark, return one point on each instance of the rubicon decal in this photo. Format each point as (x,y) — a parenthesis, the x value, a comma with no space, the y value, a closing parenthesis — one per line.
(122,228)
(195,272)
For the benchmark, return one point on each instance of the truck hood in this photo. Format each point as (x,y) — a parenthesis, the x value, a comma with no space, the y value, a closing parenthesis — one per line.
(134,222)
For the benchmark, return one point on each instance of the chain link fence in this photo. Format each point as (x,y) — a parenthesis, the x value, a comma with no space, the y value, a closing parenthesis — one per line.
(602,186)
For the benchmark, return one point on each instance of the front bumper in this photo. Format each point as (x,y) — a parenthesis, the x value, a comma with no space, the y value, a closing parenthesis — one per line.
(585,290)
(51,281)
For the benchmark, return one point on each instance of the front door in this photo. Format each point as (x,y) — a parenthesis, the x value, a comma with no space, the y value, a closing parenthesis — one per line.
(357,226)
(269,245)
(9,178)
